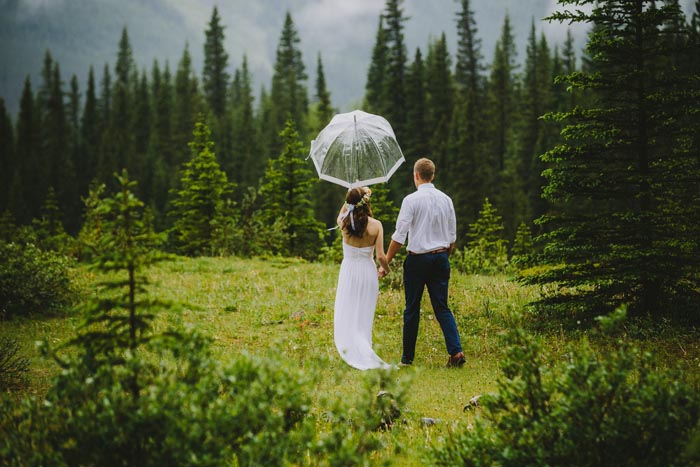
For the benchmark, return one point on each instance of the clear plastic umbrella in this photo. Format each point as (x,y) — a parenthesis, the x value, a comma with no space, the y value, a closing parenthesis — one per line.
(356,149)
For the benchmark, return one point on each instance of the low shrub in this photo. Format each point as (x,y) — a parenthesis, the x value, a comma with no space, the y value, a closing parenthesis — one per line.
(33,281)
(590,409)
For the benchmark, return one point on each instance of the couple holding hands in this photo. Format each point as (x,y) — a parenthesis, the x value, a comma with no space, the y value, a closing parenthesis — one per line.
(427,219)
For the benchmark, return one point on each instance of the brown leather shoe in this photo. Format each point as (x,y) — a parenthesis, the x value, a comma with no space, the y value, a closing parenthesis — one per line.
(456,361)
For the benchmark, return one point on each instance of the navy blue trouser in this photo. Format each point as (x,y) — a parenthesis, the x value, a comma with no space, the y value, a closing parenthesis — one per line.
(433,271)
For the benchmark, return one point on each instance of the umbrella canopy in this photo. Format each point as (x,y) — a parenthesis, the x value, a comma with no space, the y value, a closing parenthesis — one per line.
(356,149)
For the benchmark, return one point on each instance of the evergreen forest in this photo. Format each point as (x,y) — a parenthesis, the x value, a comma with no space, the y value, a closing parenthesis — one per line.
(587,156)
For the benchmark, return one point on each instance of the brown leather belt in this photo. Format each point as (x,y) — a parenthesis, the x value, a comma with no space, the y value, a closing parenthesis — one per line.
(433,252)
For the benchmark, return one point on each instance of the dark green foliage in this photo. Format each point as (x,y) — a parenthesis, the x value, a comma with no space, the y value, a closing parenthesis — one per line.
(215,78)
(589,408)
(439,89)
(625,180)
(285,195)
(523,246)
(249,164)
(33,282)
(7,155)
(48,227)
(394,80)
(13,368)
(416,144)
(202,201)
(288,91)
(375,93)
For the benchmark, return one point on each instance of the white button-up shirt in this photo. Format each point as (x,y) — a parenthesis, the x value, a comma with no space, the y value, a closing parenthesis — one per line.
(427,217)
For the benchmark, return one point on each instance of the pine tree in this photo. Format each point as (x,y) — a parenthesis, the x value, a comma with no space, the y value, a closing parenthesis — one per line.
(375,92)
(288,91)
(246,145)
(326,196)
(501,95)
(468,67)
(56,151)
(121,123)
(485,240)
(396,64)
(439,101)
(86,165)
(143,116)
(8,162)
(286,192)
(26,195)
(417,140)
(469,157)
(105,165)
(324,108)
(215,78)
(186,107)
(200,203)
(627,160)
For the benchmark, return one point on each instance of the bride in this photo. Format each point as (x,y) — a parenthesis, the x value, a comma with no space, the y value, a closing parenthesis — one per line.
(358,285)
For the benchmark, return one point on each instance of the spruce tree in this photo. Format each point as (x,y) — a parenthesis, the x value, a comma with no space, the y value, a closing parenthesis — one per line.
(249,167)
(25,192)
(469,157)
(286,191)
(215,78)
(396,64)
(200,204)
(121,124)
(625,178)
(86,165)
(326,196)
(288,91)
(485,240)
(439,101)
(324,107)
(416,144)
(375,100)
(8,161)
(185,109)
(105,165)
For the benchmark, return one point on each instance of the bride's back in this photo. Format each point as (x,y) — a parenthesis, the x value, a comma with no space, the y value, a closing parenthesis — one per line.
(369,237)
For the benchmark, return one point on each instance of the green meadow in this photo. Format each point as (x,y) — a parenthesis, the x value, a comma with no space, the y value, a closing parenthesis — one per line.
(282,310)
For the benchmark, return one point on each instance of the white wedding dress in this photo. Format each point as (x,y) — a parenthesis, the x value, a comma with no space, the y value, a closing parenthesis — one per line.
(355,301)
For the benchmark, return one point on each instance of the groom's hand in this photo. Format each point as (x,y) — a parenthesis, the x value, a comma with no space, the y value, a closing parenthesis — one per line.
(381,273)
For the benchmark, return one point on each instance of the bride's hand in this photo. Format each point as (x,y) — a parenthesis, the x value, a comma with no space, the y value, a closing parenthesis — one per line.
(381,273)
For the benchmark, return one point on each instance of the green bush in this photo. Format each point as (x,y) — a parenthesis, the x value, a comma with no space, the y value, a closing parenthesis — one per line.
(590,409)
(189,411)
(481,259)
(33,281)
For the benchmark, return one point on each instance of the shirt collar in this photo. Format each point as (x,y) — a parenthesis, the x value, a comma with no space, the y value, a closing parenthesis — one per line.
(425,185)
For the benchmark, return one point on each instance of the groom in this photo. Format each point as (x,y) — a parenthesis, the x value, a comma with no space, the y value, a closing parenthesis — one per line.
(427,217)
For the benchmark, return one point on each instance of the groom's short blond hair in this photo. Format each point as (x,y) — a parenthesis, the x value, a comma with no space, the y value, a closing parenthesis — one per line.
(425,168)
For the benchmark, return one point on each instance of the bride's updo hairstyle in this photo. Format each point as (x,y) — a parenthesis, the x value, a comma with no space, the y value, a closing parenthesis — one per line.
(361,211)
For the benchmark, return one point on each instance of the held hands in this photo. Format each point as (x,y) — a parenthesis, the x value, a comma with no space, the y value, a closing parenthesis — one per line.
(381,272)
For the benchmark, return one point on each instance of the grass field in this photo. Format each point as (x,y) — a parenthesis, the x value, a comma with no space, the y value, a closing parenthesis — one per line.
(283,310)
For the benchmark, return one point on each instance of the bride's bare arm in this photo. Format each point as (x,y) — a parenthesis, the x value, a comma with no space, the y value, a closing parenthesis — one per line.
(379,249)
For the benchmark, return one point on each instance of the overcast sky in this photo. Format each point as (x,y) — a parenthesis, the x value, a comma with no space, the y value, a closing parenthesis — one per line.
(80,33)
